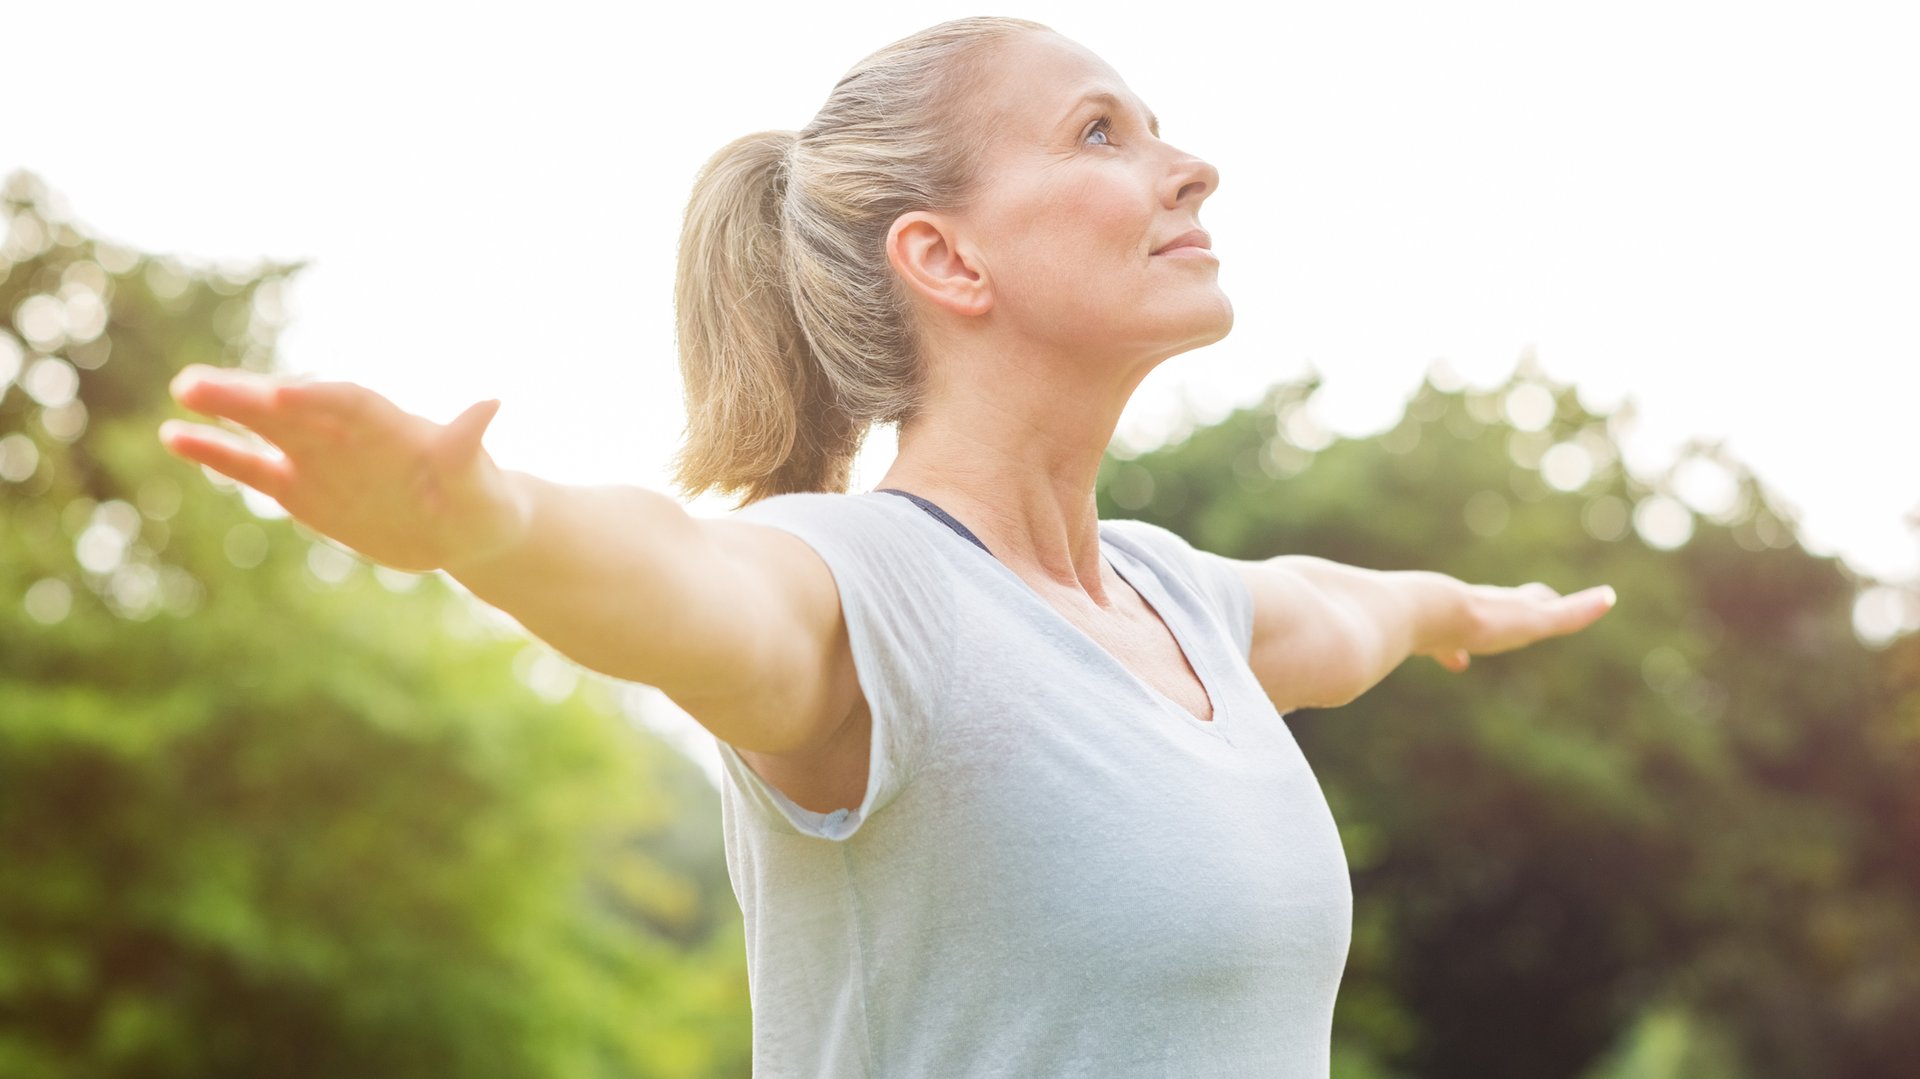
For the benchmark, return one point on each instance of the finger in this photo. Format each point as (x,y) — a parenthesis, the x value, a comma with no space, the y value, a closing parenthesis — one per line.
(1538,590)
(346,400)
(223,453)
(299,414)
(1600,597)
(1583,608)
(243,396)
(262,404)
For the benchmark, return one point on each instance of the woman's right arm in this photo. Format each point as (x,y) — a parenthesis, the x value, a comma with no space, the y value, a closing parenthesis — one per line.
(740,624)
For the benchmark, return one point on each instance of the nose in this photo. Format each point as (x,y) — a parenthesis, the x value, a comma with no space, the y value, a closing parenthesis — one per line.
(1190,178)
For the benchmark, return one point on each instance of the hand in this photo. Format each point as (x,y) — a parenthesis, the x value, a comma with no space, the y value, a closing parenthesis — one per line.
(1496,619)
(401,490)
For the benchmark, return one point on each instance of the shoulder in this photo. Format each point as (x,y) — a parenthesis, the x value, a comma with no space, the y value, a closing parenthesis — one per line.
(867,526)
(1146,538)
(816,505)
(871,551)
(1161,545)
(1220,581)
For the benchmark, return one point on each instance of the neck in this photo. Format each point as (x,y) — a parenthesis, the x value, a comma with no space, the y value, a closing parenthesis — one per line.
(1014,459)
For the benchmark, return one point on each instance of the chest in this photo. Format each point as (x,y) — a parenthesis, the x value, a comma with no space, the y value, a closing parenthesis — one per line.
(1135,637)
(1125,846)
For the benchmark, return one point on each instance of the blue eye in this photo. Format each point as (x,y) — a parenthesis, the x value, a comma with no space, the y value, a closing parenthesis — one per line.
(1102,126)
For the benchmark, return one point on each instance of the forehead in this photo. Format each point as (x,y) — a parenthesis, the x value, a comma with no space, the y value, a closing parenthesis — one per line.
(1041,80)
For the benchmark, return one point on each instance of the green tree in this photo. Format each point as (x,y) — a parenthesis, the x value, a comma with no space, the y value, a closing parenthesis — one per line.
(265,810)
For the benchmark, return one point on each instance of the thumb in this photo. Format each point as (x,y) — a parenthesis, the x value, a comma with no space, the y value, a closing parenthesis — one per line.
(464,433)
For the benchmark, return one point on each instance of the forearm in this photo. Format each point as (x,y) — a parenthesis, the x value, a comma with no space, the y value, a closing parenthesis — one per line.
(597,573)
(1324,632)
(1389,615)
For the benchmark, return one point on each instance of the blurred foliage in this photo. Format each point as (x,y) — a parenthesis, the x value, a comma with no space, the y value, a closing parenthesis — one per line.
(1685,841)
(265,810)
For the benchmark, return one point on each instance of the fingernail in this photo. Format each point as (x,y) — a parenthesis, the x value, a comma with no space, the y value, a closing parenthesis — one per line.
(1607,595)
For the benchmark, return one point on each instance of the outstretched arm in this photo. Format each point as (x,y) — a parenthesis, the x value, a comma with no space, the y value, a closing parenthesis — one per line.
(738,623)
(1324,632)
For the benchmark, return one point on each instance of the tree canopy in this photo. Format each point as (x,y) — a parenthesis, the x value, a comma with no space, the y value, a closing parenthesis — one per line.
(265,810)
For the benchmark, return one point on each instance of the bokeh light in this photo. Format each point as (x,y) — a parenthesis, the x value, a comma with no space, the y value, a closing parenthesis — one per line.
(1662,522)
(1884,612)
(65,422)
(19,456)
(48,600)
(51,381)
(1566,466)
(1606,518)
(245,545)
(330,564)
(12,358)
(1528,406)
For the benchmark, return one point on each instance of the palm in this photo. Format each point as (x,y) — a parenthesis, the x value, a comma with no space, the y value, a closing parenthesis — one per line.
(397,488)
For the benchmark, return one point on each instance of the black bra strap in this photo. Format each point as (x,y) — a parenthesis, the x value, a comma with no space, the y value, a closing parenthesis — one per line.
(943,516)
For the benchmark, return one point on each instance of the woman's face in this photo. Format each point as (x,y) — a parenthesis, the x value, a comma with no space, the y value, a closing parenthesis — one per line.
(1079,194)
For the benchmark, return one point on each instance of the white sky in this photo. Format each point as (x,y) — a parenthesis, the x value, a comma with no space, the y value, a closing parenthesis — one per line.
(1706,207)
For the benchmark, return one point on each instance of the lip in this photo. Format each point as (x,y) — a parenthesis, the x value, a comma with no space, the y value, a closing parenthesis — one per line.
(1196,238)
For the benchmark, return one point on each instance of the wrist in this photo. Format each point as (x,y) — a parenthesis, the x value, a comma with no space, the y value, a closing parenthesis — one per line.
(1439,611)
(503,528)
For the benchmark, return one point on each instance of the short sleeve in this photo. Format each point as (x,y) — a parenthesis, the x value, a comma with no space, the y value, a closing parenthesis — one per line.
(1213,576)
(898,609)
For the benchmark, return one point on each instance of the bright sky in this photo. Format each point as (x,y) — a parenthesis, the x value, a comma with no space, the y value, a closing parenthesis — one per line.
(1705,207)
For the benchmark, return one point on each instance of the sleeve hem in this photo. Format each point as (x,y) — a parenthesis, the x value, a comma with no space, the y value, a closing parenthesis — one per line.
(879,635)
(835,824)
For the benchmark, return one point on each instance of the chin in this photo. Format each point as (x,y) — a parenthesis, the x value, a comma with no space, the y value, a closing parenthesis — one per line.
(1217,326)
(1226,316)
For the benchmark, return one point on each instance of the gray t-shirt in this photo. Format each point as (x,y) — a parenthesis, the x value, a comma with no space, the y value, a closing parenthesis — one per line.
(1056,870)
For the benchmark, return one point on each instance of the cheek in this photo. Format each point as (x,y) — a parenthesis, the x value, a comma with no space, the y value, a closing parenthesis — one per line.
(1073,249)
(1083,228)
(1105,213)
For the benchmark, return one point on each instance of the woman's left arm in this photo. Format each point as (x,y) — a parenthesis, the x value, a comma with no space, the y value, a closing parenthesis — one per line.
(1324,632)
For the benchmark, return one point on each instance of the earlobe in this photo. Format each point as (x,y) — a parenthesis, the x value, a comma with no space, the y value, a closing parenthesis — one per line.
(924,252)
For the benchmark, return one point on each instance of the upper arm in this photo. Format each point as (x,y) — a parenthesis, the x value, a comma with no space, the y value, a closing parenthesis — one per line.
(770,666)
(1309,646)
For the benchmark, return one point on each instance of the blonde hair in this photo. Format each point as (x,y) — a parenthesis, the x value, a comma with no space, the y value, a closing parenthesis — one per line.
(795,335)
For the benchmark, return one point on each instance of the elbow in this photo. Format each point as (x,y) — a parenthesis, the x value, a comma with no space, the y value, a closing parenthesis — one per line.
(1363,657)
(1339,676)
(1338,698)
(1319,693)
(1318,698)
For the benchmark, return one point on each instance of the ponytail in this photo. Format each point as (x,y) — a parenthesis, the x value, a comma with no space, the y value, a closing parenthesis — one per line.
(761,415)
(795,335)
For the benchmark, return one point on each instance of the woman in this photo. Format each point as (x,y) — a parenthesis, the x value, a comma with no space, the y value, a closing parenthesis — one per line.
(1008,791)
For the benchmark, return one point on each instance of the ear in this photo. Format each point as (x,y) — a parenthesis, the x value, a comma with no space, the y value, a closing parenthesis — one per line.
(926,252)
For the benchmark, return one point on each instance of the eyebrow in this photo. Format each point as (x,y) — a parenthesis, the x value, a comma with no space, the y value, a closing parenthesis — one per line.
(1111,101)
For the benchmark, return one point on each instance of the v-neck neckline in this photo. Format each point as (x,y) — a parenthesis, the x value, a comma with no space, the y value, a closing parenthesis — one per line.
(1147,586)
